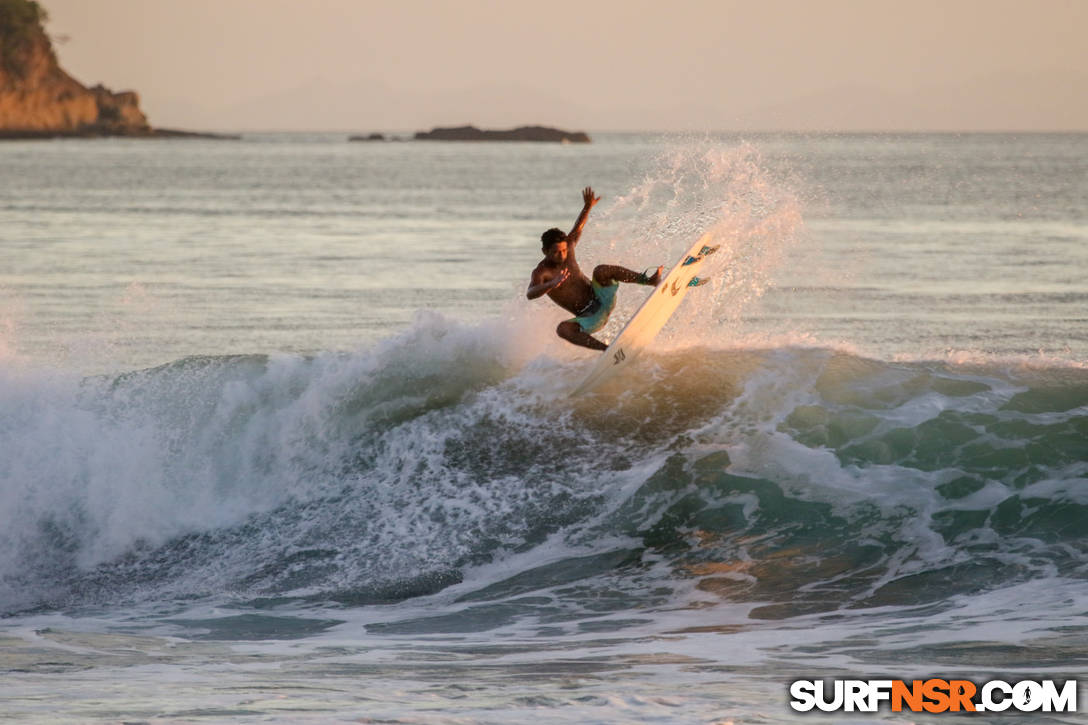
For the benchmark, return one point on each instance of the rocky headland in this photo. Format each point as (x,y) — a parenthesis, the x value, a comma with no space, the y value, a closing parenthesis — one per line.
(38,99)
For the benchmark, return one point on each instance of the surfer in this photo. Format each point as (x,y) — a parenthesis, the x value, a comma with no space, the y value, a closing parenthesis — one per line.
(589,300)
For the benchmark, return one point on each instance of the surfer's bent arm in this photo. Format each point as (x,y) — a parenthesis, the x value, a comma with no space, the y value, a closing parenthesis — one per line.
(589,200)
(538,286)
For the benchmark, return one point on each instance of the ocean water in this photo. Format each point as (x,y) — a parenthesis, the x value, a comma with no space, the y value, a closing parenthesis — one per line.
(281,439)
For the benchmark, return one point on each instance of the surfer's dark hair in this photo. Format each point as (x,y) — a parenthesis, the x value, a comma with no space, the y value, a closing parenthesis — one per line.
(552,236)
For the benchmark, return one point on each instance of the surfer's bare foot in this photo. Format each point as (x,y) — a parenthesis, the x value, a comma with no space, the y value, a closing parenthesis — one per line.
(656,279)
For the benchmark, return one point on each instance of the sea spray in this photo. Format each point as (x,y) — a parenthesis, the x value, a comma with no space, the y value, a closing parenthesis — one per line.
(752,211)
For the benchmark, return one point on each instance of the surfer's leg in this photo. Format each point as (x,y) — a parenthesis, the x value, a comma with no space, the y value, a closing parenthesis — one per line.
(607,274)
(571,331)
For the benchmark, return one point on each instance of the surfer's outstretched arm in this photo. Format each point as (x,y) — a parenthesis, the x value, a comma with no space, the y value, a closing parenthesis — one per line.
(589,200)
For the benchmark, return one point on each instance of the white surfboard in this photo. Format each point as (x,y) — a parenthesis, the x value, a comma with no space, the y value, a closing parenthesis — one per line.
(641,329)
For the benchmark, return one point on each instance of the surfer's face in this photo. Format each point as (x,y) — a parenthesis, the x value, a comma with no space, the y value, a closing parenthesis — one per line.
(556,253)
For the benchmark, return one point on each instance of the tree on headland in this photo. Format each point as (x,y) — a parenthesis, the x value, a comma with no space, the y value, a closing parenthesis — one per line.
(20,22)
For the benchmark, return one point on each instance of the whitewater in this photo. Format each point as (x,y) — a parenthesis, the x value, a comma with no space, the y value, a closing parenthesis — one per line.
(282,441)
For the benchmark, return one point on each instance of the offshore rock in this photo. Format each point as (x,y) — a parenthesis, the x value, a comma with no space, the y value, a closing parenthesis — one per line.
(522,133)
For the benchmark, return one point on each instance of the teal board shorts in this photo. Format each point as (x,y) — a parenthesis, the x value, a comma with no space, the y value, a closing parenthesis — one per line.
(595,316)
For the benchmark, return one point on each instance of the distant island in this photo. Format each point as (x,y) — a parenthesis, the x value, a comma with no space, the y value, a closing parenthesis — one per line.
(471,133)
(522,133)
(38,99)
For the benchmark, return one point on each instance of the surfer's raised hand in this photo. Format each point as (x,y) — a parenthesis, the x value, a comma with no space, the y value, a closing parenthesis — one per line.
(589,198)
(576,231)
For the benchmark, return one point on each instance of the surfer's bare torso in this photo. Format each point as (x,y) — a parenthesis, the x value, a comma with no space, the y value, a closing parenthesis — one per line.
(568,287)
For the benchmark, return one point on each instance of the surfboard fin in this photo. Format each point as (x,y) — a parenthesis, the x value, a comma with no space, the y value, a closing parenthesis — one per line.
(705,251)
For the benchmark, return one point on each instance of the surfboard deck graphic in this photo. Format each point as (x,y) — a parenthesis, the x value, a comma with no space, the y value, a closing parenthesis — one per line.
(643,327)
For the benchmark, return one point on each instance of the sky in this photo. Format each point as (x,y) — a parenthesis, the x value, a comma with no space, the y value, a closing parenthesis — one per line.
(605,65)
